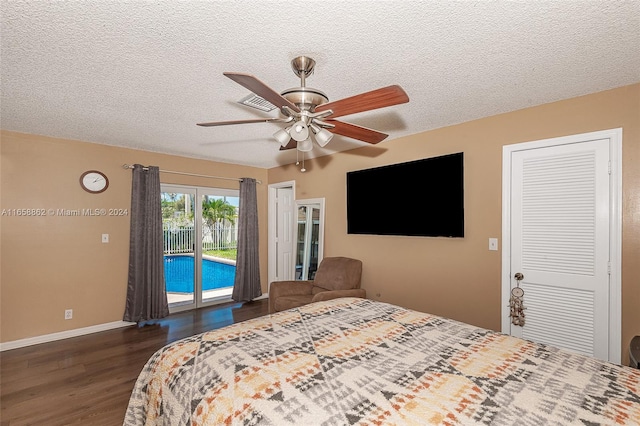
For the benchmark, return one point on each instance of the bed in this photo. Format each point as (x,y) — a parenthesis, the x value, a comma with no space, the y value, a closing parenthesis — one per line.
(356,361)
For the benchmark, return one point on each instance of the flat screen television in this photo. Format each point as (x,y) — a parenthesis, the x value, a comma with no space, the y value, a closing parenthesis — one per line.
(418,198)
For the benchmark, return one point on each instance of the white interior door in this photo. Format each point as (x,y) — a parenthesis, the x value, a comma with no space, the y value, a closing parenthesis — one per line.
(281,229)
(559,238)
(284,239)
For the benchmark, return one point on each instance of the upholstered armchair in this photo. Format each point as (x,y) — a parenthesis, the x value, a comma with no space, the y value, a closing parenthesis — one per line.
(335,277)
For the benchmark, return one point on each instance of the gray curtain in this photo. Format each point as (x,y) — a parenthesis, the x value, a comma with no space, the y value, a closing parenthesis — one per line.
(146,295)
(247,283)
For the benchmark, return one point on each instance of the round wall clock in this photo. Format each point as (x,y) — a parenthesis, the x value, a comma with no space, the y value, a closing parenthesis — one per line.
(94,181)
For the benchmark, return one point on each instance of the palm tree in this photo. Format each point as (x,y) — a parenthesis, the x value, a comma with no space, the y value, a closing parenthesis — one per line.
(216,213)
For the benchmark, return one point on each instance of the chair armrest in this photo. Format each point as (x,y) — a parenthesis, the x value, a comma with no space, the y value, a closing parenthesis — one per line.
(334,294)
(287,288)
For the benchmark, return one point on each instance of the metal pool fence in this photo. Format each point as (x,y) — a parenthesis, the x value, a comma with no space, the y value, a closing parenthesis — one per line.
(182,239)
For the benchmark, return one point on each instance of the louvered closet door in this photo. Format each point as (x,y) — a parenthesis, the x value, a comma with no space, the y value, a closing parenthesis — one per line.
(560,243)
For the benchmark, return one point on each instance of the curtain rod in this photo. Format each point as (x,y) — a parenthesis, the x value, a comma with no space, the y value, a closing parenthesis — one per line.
(128,166)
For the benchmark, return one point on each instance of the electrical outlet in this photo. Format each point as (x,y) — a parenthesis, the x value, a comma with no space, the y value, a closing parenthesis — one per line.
(68,314)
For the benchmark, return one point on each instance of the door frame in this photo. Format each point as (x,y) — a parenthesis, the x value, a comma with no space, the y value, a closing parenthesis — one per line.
(615,227)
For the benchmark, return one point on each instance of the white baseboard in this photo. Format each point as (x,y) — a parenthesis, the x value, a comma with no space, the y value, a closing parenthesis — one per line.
(63,335)
(74,333)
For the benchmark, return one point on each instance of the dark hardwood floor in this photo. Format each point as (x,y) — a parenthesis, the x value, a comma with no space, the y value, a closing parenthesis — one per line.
(87,380)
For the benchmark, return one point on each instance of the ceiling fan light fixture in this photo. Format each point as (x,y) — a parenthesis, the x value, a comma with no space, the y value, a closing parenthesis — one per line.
(323,136)
(305,145)
(282,136)
(299,131)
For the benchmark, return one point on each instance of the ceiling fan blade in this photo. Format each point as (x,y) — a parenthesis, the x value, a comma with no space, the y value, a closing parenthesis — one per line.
(253,120)
(259,88)
(356,132)
(379,98)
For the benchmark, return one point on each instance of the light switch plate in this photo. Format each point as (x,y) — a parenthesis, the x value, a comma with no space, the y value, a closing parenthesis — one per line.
(105,238)
(493,244)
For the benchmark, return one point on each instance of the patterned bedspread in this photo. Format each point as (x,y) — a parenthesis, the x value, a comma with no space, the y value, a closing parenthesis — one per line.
(355,361)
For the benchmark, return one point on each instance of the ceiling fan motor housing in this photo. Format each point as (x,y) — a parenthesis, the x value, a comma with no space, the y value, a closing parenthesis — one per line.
(305,98)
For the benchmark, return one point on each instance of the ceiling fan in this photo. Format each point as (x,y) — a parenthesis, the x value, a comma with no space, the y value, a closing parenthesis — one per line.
(308,111)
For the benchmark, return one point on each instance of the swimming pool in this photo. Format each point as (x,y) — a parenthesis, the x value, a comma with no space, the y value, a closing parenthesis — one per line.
(178,274)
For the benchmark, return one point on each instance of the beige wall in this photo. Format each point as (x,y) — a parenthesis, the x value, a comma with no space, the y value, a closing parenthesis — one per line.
(49,264)
(460,278)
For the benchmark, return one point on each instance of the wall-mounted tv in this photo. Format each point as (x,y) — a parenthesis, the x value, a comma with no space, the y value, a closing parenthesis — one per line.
(417,198)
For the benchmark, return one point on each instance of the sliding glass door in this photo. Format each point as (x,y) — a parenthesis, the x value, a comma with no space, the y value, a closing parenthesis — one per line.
(200,244)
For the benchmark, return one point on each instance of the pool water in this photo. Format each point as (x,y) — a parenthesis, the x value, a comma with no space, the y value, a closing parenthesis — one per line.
(178,274)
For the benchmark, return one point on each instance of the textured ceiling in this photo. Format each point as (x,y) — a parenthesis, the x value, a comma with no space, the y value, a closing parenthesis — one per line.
(140,74)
